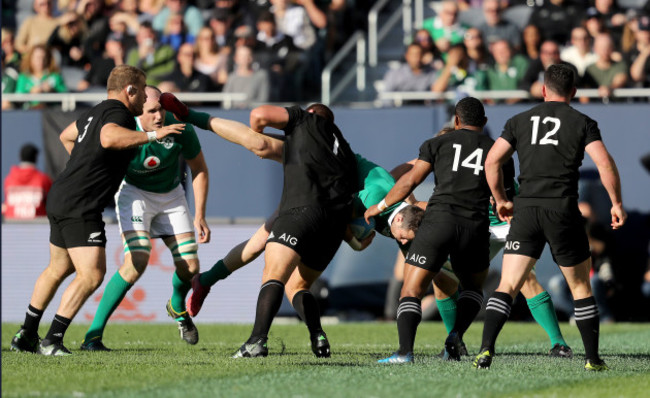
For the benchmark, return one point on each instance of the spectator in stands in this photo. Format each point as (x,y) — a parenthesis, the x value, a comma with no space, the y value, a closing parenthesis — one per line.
(277,54)
(445,29)
(628,40)
(150,8)
(495,27)
(100,68)
(555,19)
(455,72)
(298,21)
(9,78)
(593,23)
(120,31)
(38,28)
(68,39)
(39,74)
(532,40)
(506,73)
(221,22)
(210,60)
(127,13)
(176,32)
(185,77)
(430,54)
(412,75)
(25,187)
(579,53)
(92,12)
(477,52)
(534,78)
(613,18)
(639,56)
(191,16)
(157,61)
(10,56)
(605,72)
(244,79)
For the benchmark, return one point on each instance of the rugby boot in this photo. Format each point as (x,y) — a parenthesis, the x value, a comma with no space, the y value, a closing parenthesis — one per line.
(199,293)
(94,345)
(53,349)
(596,366)
(23,343)
(256,349)
(186,327)
(320,346)
(561,351)
(453,347)
(483,360)
(396,358)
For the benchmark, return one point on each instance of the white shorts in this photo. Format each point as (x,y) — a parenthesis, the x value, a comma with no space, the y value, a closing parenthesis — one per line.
(161,214)
(498,235)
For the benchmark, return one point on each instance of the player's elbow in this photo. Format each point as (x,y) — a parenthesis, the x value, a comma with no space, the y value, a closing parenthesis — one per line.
(258,118)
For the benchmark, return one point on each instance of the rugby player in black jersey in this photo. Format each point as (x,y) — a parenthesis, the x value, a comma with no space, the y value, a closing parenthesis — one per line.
(550,139)
(320,179)
(101,144)
(455,225)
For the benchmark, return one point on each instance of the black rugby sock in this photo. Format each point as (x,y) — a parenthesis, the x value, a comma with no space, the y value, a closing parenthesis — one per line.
(496,315)
(268,305)
(32,320)
(588,322)
(306,306)
(469,304)
(409,315)
(57,330)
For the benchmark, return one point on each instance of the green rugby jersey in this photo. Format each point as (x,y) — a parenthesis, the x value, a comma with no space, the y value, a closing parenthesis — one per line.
(155,167)
(376,183)
(494,220)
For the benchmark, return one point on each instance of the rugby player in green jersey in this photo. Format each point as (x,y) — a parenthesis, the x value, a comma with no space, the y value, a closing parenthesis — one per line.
(151,204)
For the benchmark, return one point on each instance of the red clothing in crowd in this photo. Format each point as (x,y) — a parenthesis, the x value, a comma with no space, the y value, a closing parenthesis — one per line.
(25,191)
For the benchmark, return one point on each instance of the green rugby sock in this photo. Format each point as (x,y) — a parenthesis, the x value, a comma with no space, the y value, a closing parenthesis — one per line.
(199,119)
(214,274)
(112,297)
(447,308)
(179,293)
(542,309)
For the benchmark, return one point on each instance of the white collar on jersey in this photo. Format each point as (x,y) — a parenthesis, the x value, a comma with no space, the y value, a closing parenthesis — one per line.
(394,213)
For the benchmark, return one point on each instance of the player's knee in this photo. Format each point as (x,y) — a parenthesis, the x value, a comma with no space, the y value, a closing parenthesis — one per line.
(138,244)
(185,249)
(94,278)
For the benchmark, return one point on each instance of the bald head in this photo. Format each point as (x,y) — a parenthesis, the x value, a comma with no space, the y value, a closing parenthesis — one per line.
(153,115)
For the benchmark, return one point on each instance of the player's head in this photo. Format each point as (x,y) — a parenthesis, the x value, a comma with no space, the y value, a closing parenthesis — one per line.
(153,114)
(126,83)
(406,223)
(322,111)
(559,79)
(469,112)
(28,153)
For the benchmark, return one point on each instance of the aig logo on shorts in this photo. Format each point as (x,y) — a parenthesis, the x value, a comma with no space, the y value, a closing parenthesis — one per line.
(512,245)
(416,258)
(151,162)
(292,240)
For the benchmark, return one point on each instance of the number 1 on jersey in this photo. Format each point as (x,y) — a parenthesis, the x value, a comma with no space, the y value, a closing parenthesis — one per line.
(473,161)
(546,140)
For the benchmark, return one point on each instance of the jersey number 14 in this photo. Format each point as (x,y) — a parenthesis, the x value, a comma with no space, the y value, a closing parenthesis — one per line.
(473,161)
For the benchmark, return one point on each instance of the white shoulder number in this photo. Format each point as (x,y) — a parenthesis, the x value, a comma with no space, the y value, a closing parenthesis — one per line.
(83,135)
(473,161)
(546,140)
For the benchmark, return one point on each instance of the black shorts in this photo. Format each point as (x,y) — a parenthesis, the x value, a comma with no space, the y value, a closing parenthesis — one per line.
(564,230)
(315,233)
(440,236)
(68,232)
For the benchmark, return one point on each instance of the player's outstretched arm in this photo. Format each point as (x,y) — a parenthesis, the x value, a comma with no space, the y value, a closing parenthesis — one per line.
(200,185)
(268,116)
(113,136)
(69,136)
(402,188)
(610,179)
(500,152)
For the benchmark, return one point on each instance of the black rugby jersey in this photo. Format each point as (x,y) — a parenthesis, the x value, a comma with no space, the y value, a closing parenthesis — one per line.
(93,174)
(550,141)
(458,160)
(320,169)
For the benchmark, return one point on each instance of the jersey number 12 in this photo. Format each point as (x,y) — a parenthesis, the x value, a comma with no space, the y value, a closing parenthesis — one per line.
(473,161)
(547,138)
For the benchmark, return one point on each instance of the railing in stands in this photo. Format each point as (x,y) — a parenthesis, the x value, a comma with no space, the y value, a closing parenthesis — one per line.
(328,94)
(69,101)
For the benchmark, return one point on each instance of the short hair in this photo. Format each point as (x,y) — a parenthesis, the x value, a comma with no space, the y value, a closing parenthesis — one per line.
(560,79)
(124,75)
(471,112)
(28,153)
(322,111)
(412,217)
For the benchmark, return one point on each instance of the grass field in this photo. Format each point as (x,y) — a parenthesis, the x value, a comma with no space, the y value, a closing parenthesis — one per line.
(151,361)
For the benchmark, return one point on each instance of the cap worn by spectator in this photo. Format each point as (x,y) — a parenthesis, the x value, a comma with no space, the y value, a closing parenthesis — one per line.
(592,12)
(28,153)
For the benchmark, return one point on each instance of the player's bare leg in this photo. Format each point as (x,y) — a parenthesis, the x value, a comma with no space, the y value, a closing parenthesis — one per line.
(586,311)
